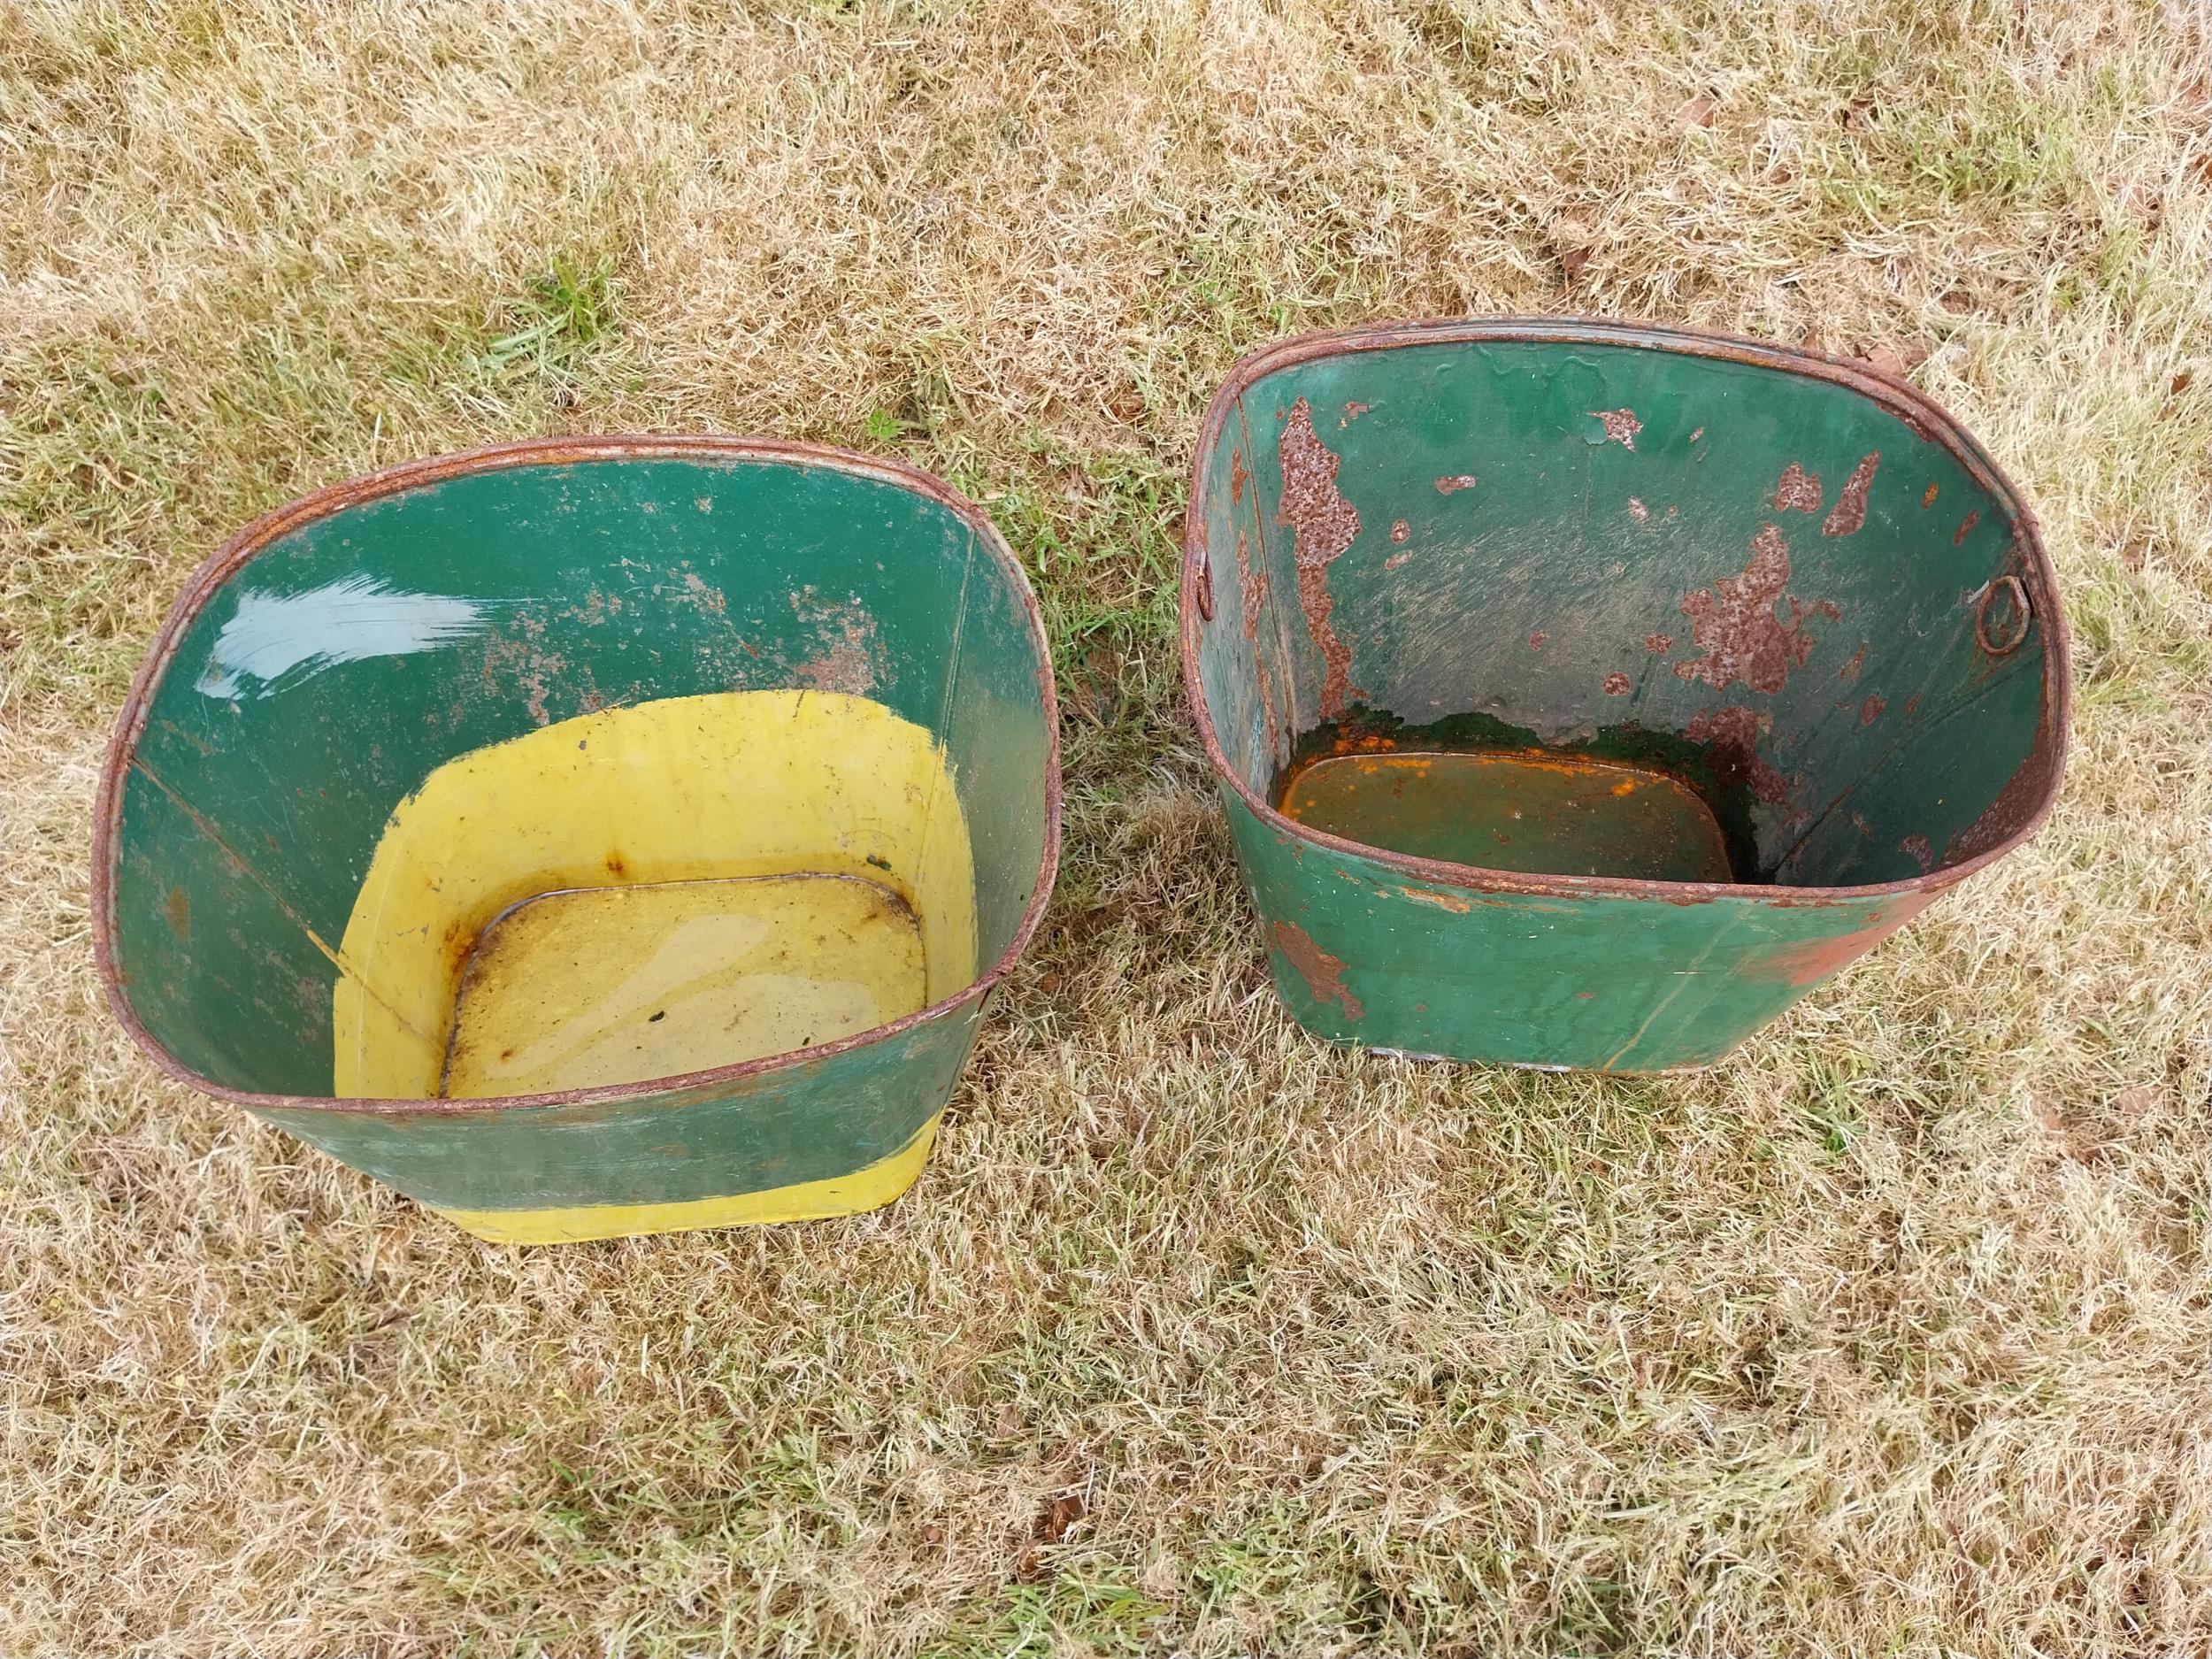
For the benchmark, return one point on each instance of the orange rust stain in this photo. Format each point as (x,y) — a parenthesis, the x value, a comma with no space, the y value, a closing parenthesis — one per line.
(1239,475)
(1850,509)
(1456,481)
(1396,560)
(1442,901)
(1871,710)
(1966,526)
(1536,639)
(614,866)
(1621,426)
(1252,592)
(1798,490)
(1353,411)
(1922,853)
(1624,788)
(1658,644)
(1849,672)
(1927,497)
(1637,509)
(1323,973)
(1399,530)
(1697,435)
(177,908)
(1803,964)
(1617,684)
(1734,624)
(1322,524)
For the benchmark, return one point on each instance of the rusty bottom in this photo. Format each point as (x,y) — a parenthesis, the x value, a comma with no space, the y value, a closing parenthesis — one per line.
(1534,812)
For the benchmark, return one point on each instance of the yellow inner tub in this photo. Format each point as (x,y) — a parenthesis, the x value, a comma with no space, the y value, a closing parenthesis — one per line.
(654,890)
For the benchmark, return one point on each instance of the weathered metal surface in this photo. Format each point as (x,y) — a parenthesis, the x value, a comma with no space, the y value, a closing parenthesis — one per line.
(1626,545)
(1532,812)
(326,661)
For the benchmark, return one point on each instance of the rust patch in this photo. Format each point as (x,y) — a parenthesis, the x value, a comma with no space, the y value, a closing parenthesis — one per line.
(1922,853)
(177,908)
(1456,481)
(1730,737)
(1239,476)
(1396,560)
(1399,530)
(614,866)
(1798,490)
(1323,973)
(1658,644)
(1536,639)
(1966,527)
(1252,595)
(1801,965)
(1638,510)
(1323,524)
(1734,624)
(1697,435)
(1850,509)
(1927,497)
(1871,710)
(1442,901)
(1617,684)
(1849,672)
(1859,823)
(1353,411)
(1621,426)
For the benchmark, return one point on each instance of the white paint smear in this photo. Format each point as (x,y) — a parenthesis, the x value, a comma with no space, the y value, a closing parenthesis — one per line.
(276,636)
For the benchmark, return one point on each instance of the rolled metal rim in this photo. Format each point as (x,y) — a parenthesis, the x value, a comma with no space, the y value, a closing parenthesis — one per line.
(248,543)
(1915,408)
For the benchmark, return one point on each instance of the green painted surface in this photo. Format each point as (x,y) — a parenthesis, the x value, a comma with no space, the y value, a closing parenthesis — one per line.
(359,650)
(1624,985)
(1617,543)
(802,1123)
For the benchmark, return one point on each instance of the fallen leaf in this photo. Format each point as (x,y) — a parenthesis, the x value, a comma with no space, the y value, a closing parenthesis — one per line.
(1058,1516)
(1696,112)
(2180,382)
(2136,1102)
(1894,361)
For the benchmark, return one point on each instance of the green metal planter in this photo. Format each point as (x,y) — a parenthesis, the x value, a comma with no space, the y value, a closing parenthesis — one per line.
(1582,694)
(589,837)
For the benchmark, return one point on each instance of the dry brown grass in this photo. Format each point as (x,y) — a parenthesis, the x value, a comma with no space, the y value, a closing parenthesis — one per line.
(1888,1336)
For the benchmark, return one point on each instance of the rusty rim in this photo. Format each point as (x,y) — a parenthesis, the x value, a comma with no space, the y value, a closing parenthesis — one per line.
(1921,413)
(235,553)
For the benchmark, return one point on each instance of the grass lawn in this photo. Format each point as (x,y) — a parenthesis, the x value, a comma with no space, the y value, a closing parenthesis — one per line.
(1891,1335)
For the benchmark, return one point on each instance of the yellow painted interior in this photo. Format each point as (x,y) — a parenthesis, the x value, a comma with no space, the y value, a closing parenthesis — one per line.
(711,792)
(840,1195)
(607,985)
